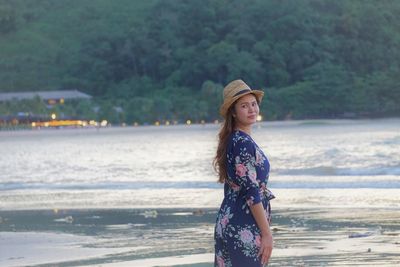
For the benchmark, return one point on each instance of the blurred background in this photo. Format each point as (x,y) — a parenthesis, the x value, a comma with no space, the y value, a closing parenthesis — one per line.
(109,122)
(147,62)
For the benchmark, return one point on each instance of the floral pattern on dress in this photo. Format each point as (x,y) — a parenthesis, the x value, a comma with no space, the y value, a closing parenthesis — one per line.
(248,241)
(237,236)
(221,260)
(223,220)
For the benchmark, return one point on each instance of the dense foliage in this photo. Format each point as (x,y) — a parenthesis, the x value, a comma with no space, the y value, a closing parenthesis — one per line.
(169,60)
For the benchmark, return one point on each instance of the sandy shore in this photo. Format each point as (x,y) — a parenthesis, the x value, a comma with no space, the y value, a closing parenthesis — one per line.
(183,237)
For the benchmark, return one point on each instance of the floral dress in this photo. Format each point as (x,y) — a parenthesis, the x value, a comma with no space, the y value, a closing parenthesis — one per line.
(237,236)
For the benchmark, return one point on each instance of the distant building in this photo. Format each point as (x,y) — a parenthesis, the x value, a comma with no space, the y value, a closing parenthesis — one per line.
(51,97)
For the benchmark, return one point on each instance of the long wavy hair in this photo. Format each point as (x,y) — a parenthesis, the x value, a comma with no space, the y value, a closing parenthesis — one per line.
(220,161)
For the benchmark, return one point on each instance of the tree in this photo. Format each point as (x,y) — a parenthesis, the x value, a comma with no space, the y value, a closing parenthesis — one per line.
(8,19)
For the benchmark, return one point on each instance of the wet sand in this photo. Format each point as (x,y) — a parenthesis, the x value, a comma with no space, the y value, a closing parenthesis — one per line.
(184,237)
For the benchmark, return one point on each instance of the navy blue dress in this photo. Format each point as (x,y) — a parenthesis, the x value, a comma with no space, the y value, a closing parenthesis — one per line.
(237,236)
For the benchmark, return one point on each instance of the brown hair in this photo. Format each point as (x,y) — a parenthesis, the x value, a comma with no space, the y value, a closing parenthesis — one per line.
(220,161)
(227,128)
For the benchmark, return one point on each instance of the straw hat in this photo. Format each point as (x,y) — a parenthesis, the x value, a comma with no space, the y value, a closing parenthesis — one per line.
(235,90)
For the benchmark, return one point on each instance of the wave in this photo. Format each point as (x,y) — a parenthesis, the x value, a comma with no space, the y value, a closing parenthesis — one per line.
(337,185)
(390,141)
(107,185)
(381,184)
(332,171)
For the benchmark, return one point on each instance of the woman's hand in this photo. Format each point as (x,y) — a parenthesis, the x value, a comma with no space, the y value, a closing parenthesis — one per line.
(266,242)
(266,246)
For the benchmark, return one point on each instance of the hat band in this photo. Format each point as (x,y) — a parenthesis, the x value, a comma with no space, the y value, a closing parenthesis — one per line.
(241,92)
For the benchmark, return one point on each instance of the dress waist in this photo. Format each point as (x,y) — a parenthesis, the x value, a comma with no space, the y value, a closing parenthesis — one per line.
(264,191)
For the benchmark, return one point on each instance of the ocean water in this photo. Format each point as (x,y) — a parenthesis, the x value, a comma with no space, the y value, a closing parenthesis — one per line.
(147,196)
(171,166)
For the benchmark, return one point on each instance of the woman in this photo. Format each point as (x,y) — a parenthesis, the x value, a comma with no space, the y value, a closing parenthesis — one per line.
(242,234)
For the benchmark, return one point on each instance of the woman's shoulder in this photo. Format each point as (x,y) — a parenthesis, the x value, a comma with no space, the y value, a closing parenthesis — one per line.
(241,139)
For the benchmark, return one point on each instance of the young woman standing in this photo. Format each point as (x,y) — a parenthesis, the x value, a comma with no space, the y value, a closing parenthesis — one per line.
(242,233)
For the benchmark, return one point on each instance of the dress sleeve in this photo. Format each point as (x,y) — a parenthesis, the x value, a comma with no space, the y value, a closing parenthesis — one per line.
(245,170)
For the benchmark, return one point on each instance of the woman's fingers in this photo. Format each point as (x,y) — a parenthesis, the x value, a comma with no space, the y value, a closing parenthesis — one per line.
(266,255)
(265,249)
(264,258)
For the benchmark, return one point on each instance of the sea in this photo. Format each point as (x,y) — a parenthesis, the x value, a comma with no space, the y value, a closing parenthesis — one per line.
(171,166)
(148,195)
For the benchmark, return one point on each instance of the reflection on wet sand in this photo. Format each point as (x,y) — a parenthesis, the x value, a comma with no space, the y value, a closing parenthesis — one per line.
(174,237)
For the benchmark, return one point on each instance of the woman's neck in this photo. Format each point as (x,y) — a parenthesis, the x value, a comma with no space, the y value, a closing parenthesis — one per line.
(244,129)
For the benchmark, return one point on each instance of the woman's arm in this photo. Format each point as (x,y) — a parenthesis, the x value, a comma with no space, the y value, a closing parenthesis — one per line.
(243,158)
(266,236)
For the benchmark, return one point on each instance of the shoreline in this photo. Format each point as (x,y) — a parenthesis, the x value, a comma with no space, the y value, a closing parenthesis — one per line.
(184,237)
(289,122)
(329,198)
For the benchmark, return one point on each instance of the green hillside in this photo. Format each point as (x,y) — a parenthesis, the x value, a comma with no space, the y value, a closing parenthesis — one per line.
(165,60)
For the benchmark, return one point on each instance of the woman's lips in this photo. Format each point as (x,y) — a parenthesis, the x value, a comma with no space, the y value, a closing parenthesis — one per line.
(251,116)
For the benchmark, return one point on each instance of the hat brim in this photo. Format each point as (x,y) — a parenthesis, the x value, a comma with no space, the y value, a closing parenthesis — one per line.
(226,105)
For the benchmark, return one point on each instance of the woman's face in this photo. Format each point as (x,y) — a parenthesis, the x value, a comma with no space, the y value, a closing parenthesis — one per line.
(246,110)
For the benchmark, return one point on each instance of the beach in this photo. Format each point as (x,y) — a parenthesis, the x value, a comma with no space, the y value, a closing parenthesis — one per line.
(147,196)
(183,237)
